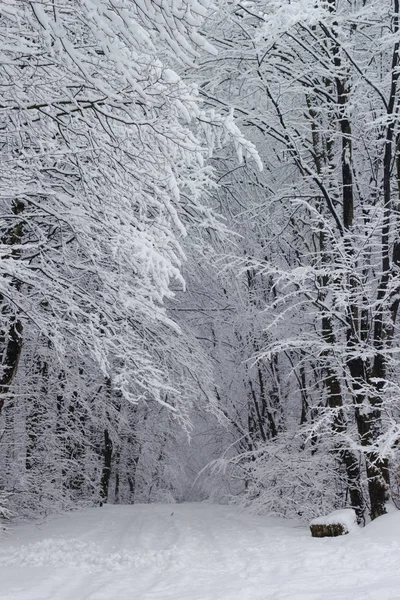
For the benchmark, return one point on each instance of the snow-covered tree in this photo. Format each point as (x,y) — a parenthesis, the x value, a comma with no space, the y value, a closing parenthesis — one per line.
(103,149)
(315,86)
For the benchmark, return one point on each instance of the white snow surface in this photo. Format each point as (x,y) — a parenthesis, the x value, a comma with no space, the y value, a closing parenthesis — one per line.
(195,552)
(345,517)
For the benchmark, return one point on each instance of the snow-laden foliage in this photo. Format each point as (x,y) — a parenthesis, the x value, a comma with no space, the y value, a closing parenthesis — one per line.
(113,115)
(103,151)
(308,342)
(97,154)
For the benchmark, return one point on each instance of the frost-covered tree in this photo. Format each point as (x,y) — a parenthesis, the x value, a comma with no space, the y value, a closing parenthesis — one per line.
(315,85)
(103,149)
(96,155)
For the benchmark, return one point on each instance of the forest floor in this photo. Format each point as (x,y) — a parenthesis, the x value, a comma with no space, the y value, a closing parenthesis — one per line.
(195,552)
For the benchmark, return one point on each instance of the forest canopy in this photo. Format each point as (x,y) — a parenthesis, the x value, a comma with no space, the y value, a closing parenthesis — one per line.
(200,254)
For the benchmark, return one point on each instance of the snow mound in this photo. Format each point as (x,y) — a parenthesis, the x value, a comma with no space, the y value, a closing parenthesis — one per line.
(385,528)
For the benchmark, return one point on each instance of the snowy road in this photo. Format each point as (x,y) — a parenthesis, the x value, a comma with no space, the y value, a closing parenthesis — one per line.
(195,552)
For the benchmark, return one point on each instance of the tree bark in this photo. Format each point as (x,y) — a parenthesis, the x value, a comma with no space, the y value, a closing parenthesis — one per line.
(106,473)
(11,339)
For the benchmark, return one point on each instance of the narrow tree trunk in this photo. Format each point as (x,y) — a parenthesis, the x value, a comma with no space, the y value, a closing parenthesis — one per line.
(348,458)
(11,338)
(10,358)
(116,469)
(106,473)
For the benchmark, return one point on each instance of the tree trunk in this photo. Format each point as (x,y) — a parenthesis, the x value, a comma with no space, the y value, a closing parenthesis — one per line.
(106,474)
(11,339)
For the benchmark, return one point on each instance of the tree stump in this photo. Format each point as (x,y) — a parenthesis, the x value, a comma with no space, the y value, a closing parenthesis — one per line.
(336,523)
(327,530)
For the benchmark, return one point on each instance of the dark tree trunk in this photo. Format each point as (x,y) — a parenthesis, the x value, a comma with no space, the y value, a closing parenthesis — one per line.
(106,474)
(367,411)
(348,458)
(116,489)
(11,338)
(10,358)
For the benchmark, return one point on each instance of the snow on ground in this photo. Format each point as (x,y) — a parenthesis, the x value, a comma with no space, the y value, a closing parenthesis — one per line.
(195,552)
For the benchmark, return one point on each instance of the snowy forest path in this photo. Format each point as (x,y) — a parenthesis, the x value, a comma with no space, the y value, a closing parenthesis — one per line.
(195,552)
